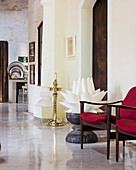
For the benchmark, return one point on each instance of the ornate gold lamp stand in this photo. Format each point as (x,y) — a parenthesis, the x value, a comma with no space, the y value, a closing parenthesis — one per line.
(55,122)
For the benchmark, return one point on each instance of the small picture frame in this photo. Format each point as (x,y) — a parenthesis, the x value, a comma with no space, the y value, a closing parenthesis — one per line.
(32,52)
(32,74)
(70,46)
(23,59)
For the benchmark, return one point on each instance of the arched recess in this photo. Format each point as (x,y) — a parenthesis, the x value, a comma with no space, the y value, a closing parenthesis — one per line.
(94,41)
(86,37)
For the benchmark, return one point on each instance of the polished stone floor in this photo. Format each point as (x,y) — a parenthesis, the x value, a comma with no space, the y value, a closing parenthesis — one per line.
(27,145)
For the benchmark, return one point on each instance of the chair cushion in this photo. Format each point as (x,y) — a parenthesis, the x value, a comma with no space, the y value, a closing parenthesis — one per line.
(127,125)
(93,118)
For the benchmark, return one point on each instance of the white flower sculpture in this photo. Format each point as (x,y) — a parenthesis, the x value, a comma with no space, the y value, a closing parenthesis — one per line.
(83,90)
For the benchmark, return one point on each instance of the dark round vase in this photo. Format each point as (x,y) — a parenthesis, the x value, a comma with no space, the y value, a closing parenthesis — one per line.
(74,136)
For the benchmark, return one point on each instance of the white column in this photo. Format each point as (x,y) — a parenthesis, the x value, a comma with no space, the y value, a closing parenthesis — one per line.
(43,109)
(48,48)
(53,54)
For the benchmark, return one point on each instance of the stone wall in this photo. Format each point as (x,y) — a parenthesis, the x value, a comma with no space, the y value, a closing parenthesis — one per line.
(14,27)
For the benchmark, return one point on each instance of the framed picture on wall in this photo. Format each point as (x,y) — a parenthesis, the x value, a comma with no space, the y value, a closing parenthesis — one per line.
(70,46)
(32,52)
(32,74)
(23,59)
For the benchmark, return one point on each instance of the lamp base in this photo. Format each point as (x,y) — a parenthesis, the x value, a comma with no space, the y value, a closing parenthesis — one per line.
(55,123)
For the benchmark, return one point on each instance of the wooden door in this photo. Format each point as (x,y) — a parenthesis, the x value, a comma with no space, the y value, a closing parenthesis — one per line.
(40,35)
(100,44)
(3,71)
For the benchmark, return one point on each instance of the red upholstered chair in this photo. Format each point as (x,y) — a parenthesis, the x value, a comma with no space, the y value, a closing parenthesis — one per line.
(97,122)
(126,119)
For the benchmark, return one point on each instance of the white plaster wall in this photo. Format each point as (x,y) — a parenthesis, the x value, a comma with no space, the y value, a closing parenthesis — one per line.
(60,32)
(35,17)
(85,40)
(60,59)
(121,44)
(121,47)
(14,29)
(72,28)
(79,23)
(86,43)
(48,51)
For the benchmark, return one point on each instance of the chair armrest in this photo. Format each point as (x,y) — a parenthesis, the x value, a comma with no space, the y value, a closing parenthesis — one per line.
(96,103)
(102,102)
(122,106)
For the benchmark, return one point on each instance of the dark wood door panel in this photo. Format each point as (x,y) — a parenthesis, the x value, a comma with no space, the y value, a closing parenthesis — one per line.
(0,84)
(100,44)
(3,71)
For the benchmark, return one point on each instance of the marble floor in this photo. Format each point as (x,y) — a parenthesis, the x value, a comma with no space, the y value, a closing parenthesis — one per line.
(27,145)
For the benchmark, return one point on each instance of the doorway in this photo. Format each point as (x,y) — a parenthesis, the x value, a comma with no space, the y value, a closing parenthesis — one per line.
(100,44)
(3,71)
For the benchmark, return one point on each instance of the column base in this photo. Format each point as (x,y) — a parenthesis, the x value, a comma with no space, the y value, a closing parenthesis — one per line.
(55,123)
(42,114)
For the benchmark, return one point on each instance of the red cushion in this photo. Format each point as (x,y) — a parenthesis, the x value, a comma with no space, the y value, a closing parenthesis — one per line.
(130,100)
(113,119)
(127,125)
(93,118)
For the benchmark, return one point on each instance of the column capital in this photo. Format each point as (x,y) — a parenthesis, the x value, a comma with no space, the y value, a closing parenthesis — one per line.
(47,2)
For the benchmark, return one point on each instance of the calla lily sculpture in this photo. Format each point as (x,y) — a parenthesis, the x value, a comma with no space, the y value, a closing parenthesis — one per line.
(82,90)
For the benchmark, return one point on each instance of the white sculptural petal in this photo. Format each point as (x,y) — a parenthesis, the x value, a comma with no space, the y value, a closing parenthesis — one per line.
(97,91)
(99,110)
(70,97)
(98,96)
(96,106)
(68,91)
(74,107)
(79,87)
(90,86)
(74,87)
(85,97)
(83,90)
(84,86)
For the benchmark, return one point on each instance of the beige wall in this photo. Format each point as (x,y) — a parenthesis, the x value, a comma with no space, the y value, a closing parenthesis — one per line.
(60,32)
(35,17)
(86,43)
(60,59)
(121,44)
(72,28)
(121,47)
(79,23)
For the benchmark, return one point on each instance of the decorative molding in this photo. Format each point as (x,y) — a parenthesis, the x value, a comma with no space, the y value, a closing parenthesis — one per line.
(87,4)
(47,2)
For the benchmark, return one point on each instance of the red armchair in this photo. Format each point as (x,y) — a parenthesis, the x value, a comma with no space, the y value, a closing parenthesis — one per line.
(97,122)
(125,119)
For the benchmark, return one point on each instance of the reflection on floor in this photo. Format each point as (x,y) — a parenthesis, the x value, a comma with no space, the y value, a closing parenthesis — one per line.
(29,146)
(20,97)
